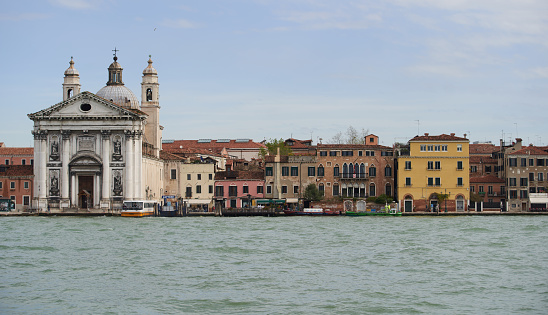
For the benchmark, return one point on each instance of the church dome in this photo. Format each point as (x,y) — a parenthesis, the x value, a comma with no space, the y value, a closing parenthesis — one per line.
(71,71)
(120,95)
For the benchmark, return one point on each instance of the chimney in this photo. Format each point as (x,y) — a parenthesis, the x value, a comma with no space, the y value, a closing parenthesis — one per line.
(452,134)
(426,134)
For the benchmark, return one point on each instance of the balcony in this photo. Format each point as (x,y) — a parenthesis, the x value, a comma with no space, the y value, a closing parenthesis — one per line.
(353,176)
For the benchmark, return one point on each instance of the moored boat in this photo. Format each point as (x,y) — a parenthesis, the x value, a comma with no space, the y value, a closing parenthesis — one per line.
(312,211)
(138,208)
(392,212)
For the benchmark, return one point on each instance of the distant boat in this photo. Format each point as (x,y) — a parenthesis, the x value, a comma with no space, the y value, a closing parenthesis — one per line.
(138,208)
(312,211)
(392,212)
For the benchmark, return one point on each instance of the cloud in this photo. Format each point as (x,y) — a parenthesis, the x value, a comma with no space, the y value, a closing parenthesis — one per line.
(23,17)
(179,23)
(75,4)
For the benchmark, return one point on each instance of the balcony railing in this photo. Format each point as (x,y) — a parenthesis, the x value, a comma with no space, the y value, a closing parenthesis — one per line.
(353,175)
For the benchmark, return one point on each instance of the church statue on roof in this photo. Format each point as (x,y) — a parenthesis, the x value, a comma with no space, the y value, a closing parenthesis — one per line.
(93,151)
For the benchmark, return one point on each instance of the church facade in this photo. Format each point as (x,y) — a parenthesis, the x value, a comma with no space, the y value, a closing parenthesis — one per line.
(97,150)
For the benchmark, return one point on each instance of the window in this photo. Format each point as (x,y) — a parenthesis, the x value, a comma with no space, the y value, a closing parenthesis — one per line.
(26,200)
(188,192)
(199,176)
(523,181)
(430,148)
(408,181)
(233,191)
(540,162)
(437,165)
(284,189)
(459,165)
(295,189)
(473,169)
(472,188)
(437,148)
(430,181)
(430,165)
(523,162)
(268,171)
(323,153)
(245,189)
(487,169)
(531,162)
(387,171)
(511,182)
(219,191)
(268,189)
(540,177)
(372,171)
(210,176)
(512,162)
(386,153)
(513,194)
(423,147)
(188,176)
(260,189)
(335,189)
(407,165)
(285,170)
(336,171)
(388,190)
(7,162)
(332,153)
(523,194)
(531,177)
(210,189)
(459,181)
(1,185)
(294,171)
(233,203)
(311,171)
(438,181)
(12,185)
(360,153)
(321,171)
(31,161)
(490,190)
(459,147)
(198,189)
(26,185)
(23,162)
(347,153)
(321,189)
(480,188)
(444,148)
(12,198)
(173,174)
(372,190)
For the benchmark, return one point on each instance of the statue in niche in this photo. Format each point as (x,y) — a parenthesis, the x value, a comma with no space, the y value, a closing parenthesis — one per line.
(54,185)
(54,150)
(117,184)
(117,149)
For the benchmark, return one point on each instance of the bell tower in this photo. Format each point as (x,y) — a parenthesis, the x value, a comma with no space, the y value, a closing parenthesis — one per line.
(71,85)
(151,106)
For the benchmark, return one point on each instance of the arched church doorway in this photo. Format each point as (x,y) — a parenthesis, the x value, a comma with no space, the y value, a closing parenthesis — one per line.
(85,191)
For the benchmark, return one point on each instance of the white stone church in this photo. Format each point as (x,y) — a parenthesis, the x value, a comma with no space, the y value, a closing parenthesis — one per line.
(96,150)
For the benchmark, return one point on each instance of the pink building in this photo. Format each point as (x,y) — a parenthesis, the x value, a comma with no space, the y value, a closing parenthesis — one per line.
(16,184)
(16,156)
(237,189)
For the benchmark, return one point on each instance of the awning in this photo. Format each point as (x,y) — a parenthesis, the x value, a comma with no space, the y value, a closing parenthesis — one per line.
(197,201)
(292,200)
(538,200)
(270,201)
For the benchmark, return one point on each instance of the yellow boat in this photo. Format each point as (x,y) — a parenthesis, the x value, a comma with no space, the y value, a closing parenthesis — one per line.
(138,208)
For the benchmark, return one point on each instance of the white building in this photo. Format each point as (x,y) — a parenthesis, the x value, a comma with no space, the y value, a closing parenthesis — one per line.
(96,150)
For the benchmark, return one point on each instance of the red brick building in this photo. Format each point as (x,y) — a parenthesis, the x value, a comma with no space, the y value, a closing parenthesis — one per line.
(16,156)
(16,183)
(491,189)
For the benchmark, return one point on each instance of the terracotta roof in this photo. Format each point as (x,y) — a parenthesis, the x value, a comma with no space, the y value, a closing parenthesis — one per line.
(442,137)
(299,144)
(16,170)
(529,151)
(214,145)
(483,148)
(486,179)
(169,156)
(16,151)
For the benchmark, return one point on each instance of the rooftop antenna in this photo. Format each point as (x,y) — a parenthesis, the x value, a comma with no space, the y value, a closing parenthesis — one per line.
(516,129)
(418,124)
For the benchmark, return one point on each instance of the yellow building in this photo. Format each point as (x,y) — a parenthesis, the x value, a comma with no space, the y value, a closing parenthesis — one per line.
(435,166)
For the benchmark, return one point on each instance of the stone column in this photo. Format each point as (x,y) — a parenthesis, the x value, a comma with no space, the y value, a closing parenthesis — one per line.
(36,169)
(65,159)
(73,189)
(105,193)
(97,189)
(138,165)
(128,189)
(42,184)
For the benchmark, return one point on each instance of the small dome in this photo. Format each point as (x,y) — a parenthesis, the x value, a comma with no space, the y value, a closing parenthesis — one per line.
(120,95)
(115,64)
(71,71)
(150,69)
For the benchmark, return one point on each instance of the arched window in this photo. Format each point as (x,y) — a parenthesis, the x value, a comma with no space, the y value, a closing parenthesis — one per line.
(388,171)
(362,190)
(388,190)
(372,190)
(149,95)
(362,170)
(69,93)
(321,171)
(372,171)
(345,170)
(336,171)
(321,188)
(344,191)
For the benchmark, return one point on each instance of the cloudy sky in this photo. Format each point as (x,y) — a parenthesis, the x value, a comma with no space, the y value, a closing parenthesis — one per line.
(306,69)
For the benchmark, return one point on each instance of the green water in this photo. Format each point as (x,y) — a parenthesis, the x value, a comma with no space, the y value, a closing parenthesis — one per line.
(256,265)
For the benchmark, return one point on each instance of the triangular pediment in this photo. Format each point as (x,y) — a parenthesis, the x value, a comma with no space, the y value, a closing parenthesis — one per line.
(87,105)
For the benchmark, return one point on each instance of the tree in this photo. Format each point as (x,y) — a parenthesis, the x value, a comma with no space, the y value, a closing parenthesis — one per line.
(272,146)
(441,199)
(351,136)
(312,193)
